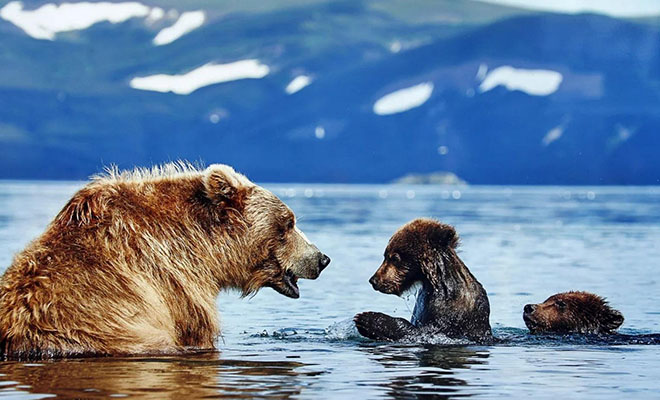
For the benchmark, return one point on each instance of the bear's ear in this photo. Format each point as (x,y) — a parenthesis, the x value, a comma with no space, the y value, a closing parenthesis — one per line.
(224,186)
(443,236)
(612,320)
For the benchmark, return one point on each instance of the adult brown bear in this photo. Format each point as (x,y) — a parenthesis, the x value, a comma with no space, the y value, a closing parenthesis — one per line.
(135,261)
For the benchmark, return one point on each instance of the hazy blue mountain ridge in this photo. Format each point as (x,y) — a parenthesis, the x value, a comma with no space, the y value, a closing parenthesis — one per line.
(66,107)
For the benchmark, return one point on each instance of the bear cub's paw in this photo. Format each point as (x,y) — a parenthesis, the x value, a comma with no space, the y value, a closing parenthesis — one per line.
(379,326)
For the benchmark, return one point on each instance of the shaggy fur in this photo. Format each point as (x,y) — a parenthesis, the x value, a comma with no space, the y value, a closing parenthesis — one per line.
(451,301)
(572,312)
(135,261)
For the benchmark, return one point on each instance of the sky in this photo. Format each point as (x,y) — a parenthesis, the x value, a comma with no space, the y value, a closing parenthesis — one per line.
(617,8)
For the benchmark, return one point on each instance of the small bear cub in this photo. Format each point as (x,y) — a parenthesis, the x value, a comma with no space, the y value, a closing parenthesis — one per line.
(572,312)
(450,302)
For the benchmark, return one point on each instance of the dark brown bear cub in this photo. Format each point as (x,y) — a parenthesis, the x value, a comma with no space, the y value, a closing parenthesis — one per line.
(451,301)
(572,312)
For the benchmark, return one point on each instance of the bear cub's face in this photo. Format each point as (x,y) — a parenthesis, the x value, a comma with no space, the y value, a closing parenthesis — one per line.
(572,312)
(399,270)
(412,255)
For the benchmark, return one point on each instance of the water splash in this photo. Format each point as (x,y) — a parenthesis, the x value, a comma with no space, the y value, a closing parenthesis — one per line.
(437,339)
(343,330)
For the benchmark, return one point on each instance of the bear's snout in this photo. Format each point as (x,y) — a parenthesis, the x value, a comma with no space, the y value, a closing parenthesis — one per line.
(374,282)
(386,279)
(530,317)
(305,259)
(529,308)
(323,262)
(379,285)
(311,265)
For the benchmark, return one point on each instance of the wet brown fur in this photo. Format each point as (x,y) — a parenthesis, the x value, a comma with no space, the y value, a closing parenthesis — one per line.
(134,262)
(451,301)
(572,312)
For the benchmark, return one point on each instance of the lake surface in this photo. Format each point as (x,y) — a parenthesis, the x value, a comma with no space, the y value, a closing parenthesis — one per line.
(522,243)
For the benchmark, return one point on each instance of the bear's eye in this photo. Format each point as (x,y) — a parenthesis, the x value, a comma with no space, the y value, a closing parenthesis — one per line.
(395,258)
(560,304)
(286,228)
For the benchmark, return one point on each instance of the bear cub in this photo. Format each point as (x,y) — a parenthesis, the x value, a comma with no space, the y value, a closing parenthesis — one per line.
(450,302)
(572,312)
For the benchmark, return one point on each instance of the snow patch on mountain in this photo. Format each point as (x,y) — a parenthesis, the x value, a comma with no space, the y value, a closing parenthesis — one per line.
(46,21)
(403,99)
(208,74)
(535,82)
(187,22)
(297,84)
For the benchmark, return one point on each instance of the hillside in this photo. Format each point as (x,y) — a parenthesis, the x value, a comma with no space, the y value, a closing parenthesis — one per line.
(350,91)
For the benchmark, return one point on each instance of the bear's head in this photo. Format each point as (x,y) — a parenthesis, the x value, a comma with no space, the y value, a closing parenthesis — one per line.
(276,252)
(572,312)
(423,250)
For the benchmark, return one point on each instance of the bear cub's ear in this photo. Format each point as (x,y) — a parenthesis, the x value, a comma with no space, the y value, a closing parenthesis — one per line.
(444,235)
(224,185)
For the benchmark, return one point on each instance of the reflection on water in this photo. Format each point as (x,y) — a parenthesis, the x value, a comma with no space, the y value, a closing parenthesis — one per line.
(430,370)
(522,243)
(205,375)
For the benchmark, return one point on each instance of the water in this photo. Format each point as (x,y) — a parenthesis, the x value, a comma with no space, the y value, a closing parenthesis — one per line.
(522,243)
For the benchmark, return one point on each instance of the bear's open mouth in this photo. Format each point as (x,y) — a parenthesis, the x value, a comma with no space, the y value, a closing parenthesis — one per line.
(288,286)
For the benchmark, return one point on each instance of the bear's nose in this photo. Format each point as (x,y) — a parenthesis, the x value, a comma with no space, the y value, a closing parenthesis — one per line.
(374,281)
(529,308)
(323,262)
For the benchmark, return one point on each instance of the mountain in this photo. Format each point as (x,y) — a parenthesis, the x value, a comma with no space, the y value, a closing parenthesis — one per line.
(495,95)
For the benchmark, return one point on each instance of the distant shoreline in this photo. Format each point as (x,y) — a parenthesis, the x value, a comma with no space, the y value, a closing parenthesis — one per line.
(433,178)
